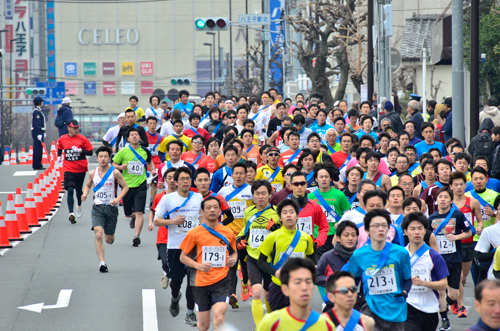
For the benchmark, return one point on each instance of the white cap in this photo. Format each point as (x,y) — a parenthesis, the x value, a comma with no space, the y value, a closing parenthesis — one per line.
(121,115)
(66,100)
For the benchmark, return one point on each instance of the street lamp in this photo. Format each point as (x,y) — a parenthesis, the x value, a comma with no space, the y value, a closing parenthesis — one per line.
(211,68)
(213,43)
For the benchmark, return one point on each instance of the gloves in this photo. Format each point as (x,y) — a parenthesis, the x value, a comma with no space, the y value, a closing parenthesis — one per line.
(401,295)
(76,149)
(271,226)
(315,246)
(241,244)
(39,137)
(59,159)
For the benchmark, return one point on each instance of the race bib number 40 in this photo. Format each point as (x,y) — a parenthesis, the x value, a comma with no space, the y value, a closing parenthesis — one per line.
(135,168)
(305,224)
(445,246)
(189,223)
(238,208)
(257,237)
(216,255)
(383,282)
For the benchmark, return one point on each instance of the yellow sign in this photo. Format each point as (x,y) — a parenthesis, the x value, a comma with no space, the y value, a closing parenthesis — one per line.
(127,68)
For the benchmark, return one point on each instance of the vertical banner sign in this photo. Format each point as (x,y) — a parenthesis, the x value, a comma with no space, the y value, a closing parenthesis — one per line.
(51,41)
(8,10)
(9,35)
(22,40)
(147,87)
(146,68)
(277,42)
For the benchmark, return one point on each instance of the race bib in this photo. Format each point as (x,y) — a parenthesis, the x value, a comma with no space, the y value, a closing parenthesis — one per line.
(105,194)
(383,282)
(189,223)
(257,237)
(238,208)
(329,216)
(154,152)
(278,187)
(312,189)
(485,217)
(135,168)
(305,224)
(295,254)
(254,160)
(423,274)
(216,255)
(445,246)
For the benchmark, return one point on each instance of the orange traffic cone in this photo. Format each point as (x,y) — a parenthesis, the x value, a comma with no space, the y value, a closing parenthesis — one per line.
(30,207)
(30,155)
(22,221)
(40,212)
(22,157)
(53,147)
(6,160)
(13,157)
(11,220)
(4,238)
(45,158)
(43,190)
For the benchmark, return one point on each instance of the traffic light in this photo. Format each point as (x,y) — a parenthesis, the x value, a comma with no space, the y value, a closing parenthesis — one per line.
(180,81)
(34,91)
(211,24)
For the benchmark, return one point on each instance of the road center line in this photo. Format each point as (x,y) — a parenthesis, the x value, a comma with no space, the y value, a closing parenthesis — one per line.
(149,317)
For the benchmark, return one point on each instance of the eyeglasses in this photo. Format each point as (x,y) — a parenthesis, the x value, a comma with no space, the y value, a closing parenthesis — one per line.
(299,184)
(183,179)
(345,289)
(379,225)
(273,154)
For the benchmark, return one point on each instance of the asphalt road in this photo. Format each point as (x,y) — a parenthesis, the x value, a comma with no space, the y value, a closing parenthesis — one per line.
(60,256)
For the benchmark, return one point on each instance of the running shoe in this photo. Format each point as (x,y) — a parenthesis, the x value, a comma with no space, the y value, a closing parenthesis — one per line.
(164,281)
(445,325)
(462,312)
(245,295)
(174,305)
(103,268)
(132,223)
(79,211)
(191,319)
(233,301)
(136,241)
(454,308)
(240,274)
(72,218)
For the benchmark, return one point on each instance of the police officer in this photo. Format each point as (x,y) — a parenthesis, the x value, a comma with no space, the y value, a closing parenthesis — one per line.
(38,133)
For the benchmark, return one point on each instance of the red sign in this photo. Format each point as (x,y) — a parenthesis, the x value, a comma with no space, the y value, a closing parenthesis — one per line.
(108,88)
(9,35)
(108,68)
(146,68)
(147,86)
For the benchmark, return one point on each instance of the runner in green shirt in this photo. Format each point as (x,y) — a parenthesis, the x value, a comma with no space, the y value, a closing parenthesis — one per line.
(133,161)
(327,197)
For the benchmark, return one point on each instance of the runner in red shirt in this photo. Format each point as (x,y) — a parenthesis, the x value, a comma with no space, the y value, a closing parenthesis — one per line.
(195,156)
(213,148)
(292,155)
(194,130)
(76,148)
(342,157)
(154,140)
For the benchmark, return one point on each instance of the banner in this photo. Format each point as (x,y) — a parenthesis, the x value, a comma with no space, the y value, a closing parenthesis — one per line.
(128,88)
(108,88)
(108,68)
(89,88)
(51,41)
(147,87)
(128,68)
(71,88)
(277,41)
(22,49)
(89,69)
(70,69)
(146,68)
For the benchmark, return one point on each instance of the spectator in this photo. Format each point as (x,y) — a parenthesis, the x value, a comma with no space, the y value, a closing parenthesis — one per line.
(64,115)
(491,111)
(394,117)
(487,304)
(414,110)
(447,123)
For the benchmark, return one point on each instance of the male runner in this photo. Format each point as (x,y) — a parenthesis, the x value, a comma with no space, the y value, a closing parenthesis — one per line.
(174,150)
(196,155)
(177,135)
(396,196)
(155,111)
(321,126)
(443,169)
(298,278)
(450,227)
(121,139)
(278,246)
(331,141)
(109,138)
(212,149)
(353,176)
(223,177)
(139,113)
(134,160)
(259,221)
(333,203)
(154,139)
(341,158)
(299,122)
(105,203)
(386,273)
(292,155)
(381,180)
(271,171)
(76,148)
(357,214)
(248,146)
(184,106)
(202,181)
(429,175)
(195,129)
(343,292)
(214,247)
(179,211)
(429,274)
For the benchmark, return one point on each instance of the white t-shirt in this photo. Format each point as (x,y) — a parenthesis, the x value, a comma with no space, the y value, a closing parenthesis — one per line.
(303,137)
(111,134)
(353,216)
(159,115)
(167,128)
(177,233)
(489,239)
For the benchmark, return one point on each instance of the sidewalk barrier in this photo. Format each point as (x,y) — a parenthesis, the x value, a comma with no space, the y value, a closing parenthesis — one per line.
(22,157)
(40,212)
(11,221)
(6,159)
(30,155)
(4,238)
(22,221)
(13,157)
(30,207)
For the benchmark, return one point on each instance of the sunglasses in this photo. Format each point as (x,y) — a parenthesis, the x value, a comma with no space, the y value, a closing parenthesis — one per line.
(345,289)
(232,117)
(299,184)
(273,154)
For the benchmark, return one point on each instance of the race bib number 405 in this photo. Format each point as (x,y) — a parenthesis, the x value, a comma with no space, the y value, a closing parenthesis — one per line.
(383,282)
(305,224)
(216,255)
(135,168)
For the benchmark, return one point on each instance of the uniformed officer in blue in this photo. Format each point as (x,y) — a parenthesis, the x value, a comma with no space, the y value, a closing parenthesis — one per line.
(38,133)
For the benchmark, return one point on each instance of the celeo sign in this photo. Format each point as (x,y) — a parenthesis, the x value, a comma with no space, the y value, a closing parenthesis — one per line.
(108,36)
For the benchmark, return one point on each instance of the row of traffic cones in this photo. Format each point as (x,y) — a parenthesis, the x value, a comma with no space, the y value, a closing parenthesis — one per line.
(27,159)
(41,199)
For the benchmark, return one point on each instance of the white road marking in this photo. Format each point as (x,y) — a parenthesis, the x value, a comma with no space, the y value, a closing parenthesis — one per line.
(12,192)
(25,173)
(62,302)
(149,317)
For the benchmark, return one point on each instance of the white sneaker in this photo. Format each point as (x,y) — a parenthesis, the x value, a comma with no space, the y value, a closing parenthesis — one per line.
(164,281)
(79,211)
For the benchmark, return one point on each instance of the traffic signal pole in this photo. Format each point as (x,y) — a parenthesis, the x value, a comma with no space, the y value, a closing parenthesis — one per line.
(265,50)
(457,71)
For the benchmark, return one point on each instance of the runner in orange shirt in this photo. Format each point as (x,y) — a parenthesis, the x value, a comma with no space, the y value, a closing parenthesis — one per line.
(213,149)
(292,155)
(195,156)
(248,146)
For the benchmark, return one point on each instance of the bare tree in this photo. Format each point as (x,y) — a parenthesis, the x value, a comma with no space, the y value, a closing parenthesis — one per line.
(329,28)
(434,87)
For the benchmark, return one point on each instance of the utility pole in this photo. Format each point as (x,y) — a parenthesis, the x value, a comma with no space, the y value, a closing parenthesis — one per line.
(231,45)
(424,78)
(370,51)
(384,27)
(457,74)
(474,68)
(265,49)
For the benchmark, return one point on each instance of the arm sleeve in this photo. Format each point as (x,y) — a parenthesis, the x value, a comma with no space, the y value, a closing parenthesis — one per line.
(59,152)
(87,153)
(322,225)
(105,143)
(484,257)
(142,119)
(162,156)
(118,139)
(407,285)
(264,265)
(144,138)
(229,217)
